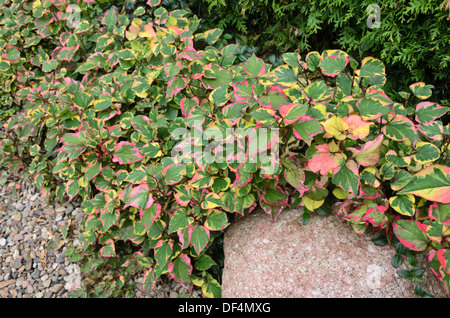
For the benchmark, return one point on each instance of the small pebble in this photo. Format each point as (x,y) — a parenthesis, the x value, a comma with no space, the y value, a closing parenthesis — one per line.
(36,274)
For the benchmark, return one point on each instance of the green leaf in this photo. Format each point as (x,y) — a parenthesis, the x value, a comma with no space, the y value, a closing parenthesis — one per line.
(217,78)
(156,230)
(292,59)
(201,180)
(151,150)
(139,228)
(400,180)
(199,238)
(174,173)
(440,212)
(64,230)
(50,65)
(216,220)
(291,113)
(163,252)
(210,36)
(149,281)
(183,194)
(126,153)
(109,219)
(149,216)
(153,3)
(82,100)
(138,196)
(264,116)
(432,183)
(426,153)
(371,67)
(72,188)
(254,66)
(396,260)
(312,60)
(211,201)
(86,67)
(273,196)
(317,91)
(400,128)
(306,128)
(333,65)
(372,108)
(139,11)
(108,250)
(344,83)
(421,90)
(387,170)
(13,54)
(110,18)
(219,96)
(136,176)
(5,68)
(406,273)
(204,262)
(221,184)
(176,85)
(380,240)
(287,76)
(403,204)
(411,234)
(306,217)
(93,170)
(212,289)
(234,111)
(294,175)
(275,99)
(179,220)
(347,177)
(427,112)
(181,269)
(392,157)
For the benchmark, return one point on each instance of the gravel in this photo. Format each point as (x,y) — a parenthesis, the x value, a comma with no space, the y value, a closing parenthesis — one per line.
(28,267)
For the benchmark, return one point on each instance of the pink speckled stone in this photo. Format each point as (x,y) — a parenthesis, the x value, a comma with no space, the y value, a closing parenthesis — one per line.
(326,258)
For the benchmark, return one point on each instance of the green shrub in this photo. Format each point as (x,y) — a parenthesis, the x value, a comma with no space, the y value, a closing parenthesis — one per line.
(412,39)
(166,139)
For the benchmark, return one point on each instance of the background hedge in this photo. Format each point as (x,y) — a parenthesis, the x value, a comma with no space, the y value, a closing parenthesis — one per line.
(413,38)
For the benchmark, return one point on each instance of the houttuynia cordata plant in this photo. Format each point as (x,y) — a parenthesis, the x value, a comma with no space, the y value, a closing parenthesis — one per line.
(166,138)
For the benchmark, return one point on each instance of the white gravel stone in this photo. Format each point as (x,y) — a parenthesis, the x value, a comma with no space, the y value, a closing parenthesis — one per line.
(34,197)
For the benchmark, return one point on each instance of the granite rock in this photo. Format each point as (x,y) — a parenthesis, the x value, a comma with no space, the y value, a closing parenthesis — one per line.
(324,259)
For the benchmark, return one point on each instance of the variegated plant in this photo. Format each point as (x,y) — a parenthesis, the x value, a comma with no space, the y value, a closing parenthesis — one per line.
(166,139)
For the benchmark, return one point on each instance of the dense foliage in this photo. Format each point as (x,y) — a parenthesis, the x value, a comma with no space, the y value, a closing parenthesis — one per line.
(166,139)
(412,38)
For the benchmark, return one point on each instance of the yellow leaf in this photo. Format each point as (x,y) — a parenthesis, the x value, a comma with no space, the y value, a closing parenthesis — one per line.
(268,79)
(321,109)
(208,204)
(311,204)
(336,127)
(340,193)
(83,182)
(197,281)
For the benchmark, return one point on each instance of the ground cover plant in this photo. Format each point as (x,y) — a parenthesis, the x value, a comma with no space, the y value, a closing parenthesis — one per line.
(167,138)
